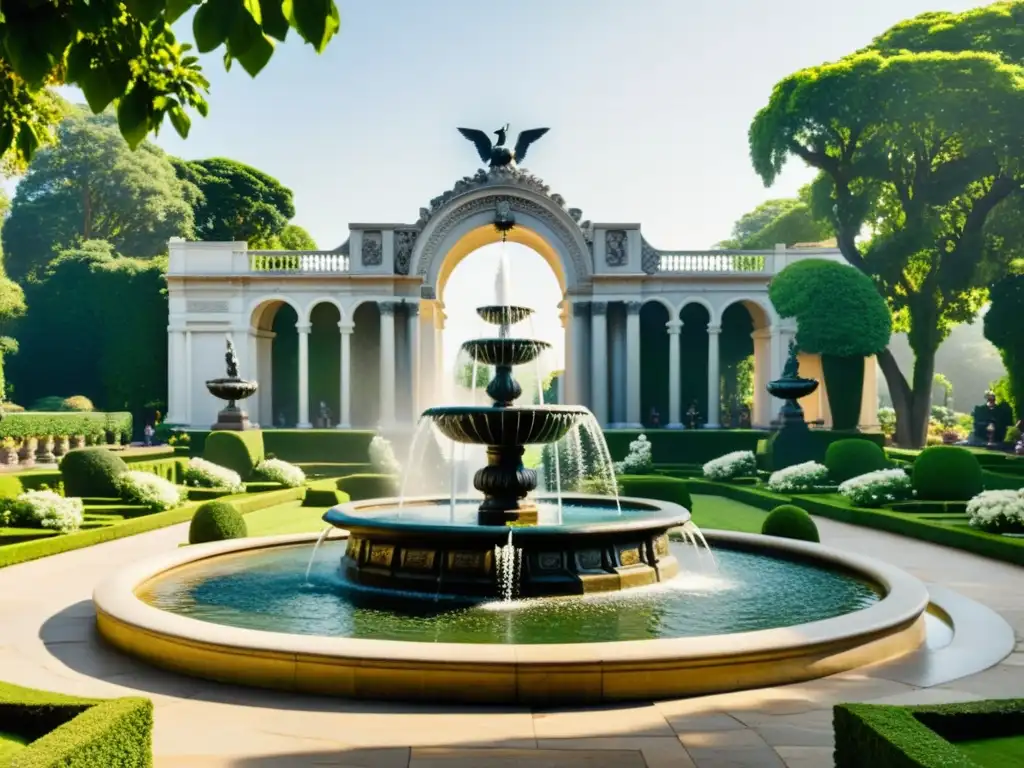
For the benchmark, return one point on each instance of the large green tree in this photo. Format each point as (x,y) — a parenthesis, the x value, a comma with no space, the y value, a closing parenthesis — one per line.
(12,305)
(922,150)
(91,186)
(786,220)
(125,52)
(237,201)
(1004,327)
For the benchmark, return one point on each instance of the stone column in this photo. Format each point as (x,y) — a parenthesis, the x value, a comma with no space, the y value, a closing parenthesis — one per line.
(387,363)
(176,383)
(714,378)
(189,385)
(251,371)
(674,412)
(763,406)
(578,394)
(345,420)
(265,377)
(599,360)
(303,331)
(415,396)
(633,416)
(437,329)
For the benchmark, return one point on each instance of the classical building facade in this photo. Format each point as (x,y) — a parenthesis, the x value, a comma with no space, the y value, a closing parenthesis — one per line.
(352,337)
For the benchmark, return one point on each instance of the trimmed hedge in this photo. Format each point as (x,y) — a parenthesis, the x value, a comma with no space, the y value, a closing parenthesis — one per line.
(91,472)
(239,451)
(77,733)
(814,446)
(59,424)
(324,493)
(657,487)
(685,446)
(790,522)
(851,458)
(216,521)
(339,446)
(947,473)
(884,736)
(360,487)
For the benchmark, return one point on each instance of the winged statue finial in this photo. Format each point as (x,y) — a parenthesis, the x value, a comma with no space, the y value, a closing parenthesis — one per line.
(497,155)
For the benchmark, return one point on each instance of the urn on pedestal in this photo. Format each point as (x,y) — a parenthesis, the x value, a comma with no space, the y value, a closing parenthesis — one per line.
(232,388)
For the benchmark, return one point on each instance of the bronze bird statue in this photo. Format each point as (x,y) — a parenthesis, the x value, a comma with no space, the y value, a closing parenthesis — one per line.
(497,155)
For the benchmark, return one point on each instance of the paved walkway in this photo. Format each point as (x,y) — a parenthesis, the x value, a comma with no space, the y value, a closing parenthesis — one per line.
(48,641)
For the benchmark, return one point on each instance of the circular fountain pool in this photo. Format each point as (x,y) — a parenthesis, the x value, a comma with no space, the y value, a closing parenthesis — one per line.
(775,611)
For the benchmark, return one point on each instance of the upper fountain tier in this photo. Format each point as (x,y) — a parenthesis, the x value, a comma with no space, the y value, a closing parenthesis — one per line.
(505,352)
(503,314)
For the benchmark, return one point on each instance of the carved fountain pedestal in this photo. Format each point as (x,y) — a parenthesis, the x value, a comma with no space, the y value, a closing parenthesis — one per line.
(792,443)
(232,388)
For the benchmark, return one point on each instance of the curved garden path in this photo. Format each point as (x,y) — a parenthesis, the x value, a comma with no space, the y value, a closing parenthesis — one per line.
(47,641)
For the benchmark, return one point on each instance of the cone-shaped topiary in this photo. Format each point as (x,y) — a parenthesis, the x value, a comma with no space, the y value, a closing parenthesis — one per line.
(216,521)
(947,473)
(854,457)
(790,522)
(91,472)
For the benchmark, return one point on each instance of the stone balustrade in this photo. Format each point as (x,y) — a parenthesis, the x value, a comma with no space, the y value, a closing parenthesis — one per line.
(319,262)
(716,262)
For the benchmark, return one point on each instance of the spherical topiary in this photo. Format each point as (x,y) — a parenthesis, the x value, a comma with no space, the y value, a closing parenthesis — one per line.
(850,458)
(77,403)
(947,473)
(369,486)
(216,521)
(91,472)
(658,487)
(790,522)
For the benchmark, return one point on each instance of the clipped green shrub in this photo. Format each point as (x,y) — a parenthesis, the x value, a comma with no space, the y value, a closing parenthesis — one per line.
(79,403)
(790,522)
(947,473)
(67,731)
(216,521)
(657,487)
(368,486)
(853,457)
(91,472)
(47,404)
(238,451)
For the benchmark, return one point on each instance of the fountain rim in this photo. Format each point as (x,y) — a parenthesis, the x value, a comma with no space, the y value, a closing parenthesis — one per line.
(674,515)
(601,672)
(464,410)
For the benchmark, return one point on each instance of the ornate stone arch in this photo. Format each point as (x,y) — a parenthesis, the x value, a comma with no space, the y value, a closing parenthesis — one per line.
(313,303)
(714,316)
(456,216)
(764,307)
(257,309)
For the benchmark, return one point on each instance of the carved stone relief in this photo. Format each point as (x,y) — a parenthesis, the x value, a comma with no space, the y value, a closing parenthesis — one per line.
(405,241)
(202,306)
(616,248)
(428,292)
(373,248)
(650,258)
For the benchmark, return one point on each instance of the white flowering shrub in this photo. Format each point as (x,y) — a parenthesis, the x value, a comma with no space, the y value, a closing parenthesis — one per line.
(382,456)
(47,509)
(997,511)
(150,491)
(731,465)
(799,477)
(201,473)
(639,460)
(874,489)
(277,471)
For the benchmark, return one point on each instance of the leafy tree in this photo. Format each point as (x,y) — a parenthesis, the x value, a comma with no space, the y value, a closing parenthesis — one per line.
(464,376)
(124,52)
(294,238)
(839,316)
(1004,328)
(236,201)
(90,186)
(947,389)
(12,306)
(922,148)
(786,220)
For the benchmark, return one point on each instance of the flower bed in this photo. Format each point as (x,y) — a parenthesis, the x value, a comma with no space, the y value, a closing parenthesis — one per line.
(46,509)
(874,489)
(799,478)
(150,491)
(731,466)
(639,460)
(277,471)
(997,511)
(201,473)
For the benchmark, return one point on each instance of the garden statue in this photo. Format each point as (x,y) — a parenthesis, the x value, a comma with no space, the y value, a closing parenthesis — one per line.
(497,155)
(991,420)
(792,443)
(231,388)
(325,415)
(655,417)
(693,416)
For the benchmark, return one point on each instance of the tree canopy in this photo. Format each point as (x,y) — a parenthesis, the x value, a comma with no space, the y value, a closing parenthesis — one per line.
(91,186)
(293,238)
(124,52)
(786,220)
(1005,329)
(917,141)
(236,201)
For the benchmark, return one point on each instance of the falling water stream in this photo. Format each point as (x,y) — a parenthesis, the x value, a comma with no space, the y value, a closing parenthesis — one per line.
(312,557)
(508,558)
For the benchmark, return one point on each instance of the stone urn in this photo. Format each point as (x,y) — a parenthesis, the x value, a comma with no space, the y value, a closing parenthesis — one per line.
(75,442)
(232,388)
(44,450)
(8,453)
(61,445)
(27,452)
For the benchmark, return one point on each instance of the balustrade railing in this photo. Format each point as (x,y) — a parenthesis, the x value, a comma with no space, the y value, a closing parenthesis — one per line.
(714,262)
(298,261)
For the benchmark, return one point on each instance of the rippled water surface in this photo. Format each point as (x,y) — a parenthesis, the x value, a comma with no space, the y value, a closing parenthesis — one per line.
(267,591)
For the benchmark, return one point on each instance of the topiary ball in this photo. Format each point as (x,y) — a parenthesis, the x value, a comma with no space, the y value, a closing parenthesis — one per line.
(658,487)
(790,522)
(947,473)
(216,521)
(91,472)
(854,457)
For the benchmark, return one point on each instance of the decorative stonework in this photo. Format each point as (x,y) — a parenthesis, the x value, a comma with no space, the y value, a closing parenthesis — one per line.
(344,248)
(633,307)
(616,248)
(580,308)
(413,309)
(405,241)
(203,306)
(428,292)
(387,307)
(650,258)
(599,307)
(373,248)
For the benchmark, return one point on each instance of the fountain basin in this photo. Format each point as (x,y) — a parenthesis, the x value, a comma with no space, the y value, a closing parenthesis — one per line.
(516,425)
(430,545)
(232,389)
(505,352)
(503,314)
(533,674)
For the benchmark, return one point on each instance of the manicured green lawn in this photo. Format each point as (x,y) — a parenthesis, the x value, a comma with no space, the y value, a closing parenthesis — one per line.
(10,744)
(995,753)
(292,517)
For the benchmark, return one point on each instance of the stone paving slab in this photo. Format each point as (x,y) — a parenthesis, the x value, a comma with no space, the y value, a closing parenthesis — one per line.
(49,641)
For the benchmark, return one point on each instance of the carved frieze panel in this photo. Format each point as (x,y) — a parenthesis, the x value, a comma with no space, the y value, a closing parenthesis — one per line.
(405,241)
(204,306)
(616,248)
(373,248)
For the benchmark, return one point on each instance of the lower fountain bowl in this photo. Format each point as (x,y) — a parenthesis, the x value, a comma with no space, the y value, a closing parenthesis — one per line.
(515,425)
(588,544)
(232,389)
